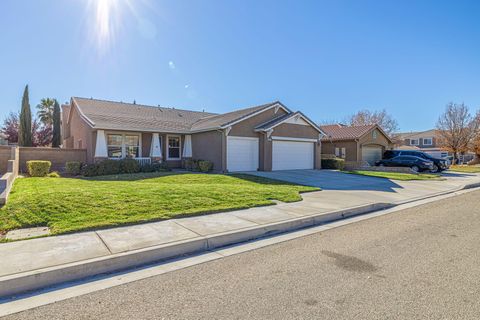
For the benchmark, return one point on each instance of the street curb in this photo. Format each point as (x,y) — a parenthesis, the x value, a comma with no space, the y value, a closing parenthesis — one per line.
(24,282)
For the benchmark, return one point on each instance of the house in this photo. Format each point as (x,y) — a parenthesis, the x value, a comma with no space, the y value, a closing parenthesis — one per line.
(426,141)
(355,143)
(265,137)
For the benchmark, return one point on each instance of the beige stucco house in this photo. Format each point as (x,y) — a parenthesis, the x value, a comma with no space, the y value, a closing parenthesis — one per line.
(266,137)
(355,143)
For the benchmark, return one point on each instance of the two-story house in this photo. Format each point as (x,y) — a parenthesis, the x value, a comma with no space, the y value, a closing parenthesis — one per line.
(426,141)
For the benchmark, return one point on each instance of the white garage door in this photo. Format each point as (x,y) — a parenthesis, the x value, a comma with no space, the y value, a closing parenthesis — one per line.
(242,154)
(289,155)
(371,154)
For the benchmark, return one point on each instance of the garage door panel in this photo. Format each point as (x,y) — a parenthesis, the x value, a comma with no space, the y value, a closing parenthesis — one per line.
(290,155)
(371,154)
(242,154)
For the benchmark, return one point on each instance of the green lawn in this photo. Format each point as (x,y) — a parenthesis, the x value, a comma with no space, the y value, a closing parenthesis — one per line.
(70,204)
(396,175)
(466,169)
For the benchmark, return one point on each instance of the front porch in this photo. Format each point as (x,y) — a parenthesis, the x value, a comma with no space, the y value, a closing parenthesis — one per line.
(145,147)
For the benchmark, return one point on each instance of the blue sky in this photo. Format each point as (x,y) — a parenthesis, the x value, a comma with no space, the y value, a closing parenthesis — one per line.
(326,58)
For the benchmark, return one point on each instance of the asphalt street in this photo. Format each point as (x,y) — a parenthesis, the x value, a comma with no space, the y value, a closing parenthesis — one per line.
(419,263)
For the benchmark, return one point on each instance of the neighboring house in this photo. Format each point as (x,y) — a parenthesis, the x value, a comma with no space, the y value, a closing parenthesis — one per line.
(423,141)
(266,137)
(355,143)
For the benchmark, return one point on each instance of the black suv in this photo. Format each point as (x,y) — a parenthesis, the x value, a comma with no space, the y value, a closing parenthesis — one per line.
(438,164)
(417,164)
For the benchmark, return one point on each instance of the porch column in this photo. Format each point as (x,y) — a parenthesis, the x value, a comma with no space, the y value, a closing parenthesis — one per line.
(187,146)
(101,146)
(155,148)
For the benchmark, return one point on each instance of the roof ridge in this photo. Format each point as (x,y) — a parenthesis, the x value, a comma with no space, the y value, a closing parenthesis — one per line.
(146,105)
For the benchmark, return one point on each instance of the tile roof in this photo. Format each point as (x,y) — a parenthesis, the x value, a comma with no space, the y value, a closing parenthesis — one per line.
(343,132)
(224,119)
(112,115)
(127,116)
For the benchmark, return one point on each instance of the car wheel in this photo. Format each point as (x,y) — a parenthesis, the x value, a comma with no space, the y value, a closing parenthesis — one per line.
(415,168)
(435,169)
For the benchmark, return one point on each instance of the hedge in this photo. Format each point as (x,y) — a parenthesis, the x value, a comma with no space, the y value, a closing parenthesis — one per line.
(336,163)
(111,167)
(73,167)
(198,165)
(38,168)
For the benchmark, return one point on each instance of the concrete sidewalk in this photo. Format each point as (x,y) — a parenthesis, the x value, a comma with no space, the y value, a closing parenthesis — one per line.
(36,263)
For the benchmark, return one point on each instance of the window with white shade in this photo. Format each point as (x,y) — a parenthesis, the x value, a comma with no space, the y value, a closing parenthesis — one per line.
(173,148)
(114,145)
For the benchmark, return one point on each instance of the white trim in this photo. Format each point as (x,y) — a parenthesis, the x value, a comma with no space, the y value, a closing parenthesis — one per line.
(227,131)
(82,115)
(156,146)
(298,120)
(101,150)
(417,144)
(296,114)
(254,114)
(179,146)
(293,139)
(245,138)
(187,146)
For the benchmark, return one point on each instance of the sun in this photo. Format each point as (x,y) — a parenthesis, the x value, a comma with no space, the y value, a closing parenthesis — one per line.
(104,21)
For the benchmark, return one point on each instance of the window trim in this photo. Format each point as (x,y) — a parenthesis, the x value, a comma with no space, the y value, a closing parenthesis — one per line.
(124,146)
(167,147)
(427,144)
(414,144)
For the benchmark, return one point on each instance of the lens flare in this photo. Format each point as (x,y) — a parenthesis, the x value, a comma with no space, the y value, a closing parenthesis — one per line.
(104,17)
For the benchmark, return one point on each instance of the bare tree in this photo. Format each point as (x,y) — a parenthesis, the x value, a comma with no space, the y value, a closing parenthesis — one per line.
(475,142)
(382,118)
(455,128)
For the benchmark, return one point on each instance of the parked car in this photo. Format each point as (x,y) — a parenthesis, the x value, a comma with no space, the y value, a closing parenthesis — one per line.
(438,164)
(417,164)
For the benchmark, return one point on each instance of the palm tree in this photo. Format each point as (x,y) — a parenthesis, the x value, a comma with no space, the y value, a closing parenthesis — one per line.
(45,111)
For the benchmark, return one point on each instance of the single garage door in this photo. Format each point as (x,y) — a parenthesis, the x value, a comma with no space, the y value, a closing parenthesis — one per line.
(242,154)
(290,155)
(371,154)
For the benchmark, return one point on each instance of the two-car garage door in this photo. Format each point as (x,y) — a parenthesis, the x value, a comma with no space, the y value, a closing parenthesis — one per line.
(243,154)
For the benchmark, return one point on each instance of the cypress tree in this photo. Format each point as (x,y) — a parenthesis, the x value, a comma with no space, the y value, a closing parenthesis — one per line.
(56,138)
(25,122)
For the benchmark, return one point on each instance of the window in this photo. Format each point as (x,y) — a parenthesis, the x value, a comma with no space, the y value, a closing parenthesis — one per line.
(427,141)
(123,145)
(132,146)
(79,144)
(374,134)
(337,152)
(344,153)
(114,145)
(414,142)
(173,152)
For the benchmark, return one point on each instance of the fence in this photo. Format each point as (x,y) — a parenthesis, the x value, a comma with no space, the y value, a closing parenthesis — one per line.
(57,156)
(12,164)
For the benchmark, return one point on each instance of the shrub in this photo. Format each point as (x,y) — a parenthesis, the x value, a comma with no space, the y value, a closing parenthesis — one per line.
(90,170)
(160,166)
(73,167)
(147,168)
(108,167)
(129,166)
(336,163)
(37,168)
(205,165)
(53,174)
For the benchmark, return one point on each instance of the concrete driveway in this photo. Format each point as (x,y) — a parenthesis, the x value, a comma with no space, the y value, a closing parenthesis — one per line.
(336,184)
(330,180)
